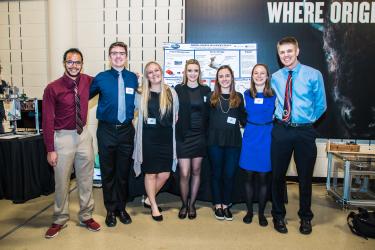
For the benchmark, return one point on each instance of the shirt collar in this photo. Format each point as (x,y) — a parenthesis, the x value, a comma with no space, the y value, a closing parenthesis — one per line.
(115,72)
(295,69)
(69,82)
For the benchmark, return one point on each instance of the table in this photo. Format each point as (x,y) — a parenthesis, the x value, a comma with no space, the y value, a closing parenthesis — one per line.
(351,178)
(24,171)
(136,185)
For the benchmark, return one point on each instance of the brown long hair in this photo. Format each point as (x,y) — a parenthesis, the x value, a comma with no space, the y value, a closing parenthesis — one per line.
(188,62)
(267,91)
(234,99)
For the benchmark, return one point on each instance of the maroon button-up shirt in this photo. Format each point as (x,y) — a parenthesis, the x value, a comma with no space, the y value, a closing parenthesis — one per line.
(59,106)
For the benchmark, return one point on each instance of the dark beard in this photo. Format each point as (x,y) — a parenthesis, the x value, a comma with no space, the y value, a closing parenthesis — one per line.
(73,76)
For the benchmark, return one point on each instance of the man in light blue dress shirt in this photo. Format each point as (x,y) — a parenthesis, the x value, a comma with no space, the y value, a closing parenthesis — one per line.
(300,101)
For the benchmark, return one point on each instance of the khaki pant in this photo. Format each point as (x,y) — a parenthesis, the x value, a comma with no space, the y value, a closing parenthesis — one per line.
(73,149)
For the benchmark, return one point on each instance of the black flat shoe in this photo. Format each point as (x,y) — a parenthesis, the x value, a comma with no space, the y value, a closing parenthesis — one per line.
(157,218)
(149,207)
(305,227)
(262,220)
(183,212)
(248,218)
(110,219)
(280,226)
(219,213)
(124,217)
(192,213)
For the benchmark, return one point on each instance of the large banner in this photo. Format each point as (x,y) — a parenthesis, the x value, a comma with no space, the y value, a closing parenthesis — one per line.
(335,37)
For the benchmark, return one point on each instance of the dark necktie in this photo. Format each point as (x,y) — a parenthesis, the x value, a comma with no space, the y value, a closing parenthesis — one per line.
(287,112)
(79,123)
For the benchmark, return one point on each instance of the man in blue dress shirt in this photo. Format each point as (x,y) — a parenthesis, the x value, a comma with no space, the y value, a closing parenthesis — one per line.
(300,101)
(116,88)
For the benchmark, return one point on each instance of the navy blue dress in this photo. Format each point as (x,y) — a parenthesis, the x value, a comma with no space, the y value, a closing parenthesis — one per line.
(256,141)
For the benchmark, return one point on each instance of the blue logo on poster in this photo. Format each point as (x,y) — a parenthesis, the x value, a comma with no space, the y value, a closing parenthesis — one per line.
(175,46)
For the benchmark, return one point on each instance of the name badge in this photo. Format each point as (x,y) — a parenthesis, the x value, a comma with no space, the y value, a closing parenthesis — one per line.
(231,120)
(204,98)
(258,101)
(129,91)
(151,121)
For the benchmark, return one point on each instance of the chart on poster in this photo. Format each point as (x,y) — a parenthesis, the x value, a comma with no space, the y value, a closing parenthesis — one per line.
(240,57)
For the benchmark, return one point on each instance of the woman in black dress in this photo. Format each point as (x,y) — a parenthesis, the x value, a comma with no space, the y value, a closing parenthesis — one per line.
(191,134)
(227,112)
(155,149)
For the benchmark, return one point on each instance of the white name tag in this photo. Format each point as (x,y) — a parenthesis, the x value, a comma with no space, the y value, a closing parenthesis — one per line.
(204,98)
(231,120)
(129,91)
(151,121)
(258,101)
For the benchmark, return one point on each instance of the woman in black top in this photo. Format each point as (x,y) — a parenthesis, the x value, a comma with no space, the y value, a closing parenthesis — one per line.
(224,139)
(3,84)
(191,134)
(157,107)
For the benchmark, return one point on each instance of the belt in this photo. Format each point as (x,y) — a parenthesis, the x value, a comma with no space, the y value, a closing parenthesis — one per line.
(260,124)
(294,125)
(119,125)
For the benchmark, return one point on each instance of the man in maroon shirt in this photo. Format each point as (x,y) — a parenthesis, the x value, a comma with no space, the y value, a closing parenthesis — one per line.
(68,141)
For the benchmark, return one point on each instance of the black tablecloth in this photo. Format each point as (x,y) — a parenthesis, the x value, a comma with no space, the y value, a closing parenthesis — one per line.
(136,185)
(24,171)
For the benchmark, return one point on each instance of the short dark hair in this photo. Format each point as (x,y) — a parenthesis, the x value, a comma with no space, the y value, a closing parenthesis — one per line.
(118,44)
(74,51)
(286,40)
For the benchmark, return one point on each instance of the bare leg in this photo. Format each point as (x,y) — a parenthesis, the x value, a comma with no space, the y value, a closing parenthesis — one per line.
(150,186)
(161,179)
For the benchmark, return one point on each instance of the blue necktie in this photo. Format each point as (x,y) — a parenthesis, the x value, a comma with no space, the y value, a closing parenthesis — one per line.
(121,109)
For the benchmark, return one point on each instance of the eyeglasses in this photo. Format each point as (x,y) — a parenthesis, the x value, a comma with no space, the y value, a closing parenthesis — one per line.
(116,53)
(70,63)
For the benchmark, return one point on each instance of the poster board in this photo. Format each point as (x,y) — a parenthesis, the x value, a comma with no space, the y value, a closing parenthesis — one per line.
(240,57)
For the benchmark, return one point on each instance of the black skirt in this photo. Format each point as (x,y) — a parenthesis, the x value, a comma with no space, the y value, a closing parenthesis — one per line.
(194,144)
(157,150)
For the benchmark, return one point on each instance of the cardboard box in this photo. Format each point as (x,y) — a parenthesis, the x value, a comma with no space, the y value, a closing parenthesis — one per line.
(343,147)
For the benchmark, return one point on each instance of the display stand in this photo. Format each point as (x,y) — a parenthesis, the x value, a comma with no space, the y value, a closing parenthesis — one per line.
(351,177)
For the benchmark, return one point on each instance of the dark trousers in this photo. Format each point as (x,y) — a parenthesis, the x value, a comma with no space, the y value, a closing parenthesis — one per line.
(115,146)
(224,162)
(285,141)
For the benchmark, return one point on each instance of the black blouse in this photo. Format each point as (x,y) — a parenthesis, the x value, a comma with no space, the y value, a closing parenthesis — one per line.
(224,122)
(154,120)
(185,93)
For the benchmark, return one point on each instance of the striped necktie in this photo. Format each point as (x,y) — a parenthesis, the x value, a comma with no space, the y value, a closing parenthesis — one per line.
(79,123)
(287,112)
(121,109)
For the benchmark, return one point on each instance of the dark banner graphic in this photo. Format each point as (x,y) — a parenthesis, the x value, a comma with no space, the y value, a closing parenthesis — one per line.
(335,37)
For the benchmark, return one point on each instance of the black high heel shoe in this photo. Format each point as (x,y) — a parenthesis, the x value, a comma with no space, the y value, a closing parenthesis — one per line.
(192,213)
(149,206)
(157,218)
(183,212)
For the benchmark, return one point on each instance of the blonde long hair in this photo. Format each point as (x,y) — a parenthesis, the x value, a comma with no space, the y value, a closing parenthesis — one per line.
(185,78)
(165,97)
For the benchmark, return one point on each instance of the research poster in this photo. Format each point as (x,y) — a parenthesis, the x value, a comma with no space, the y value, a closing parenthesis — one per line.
(240,57)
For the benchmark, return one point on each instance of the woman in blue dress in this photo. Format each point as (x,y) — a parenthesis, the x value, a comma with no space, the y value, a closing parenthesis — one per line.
(255,159)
